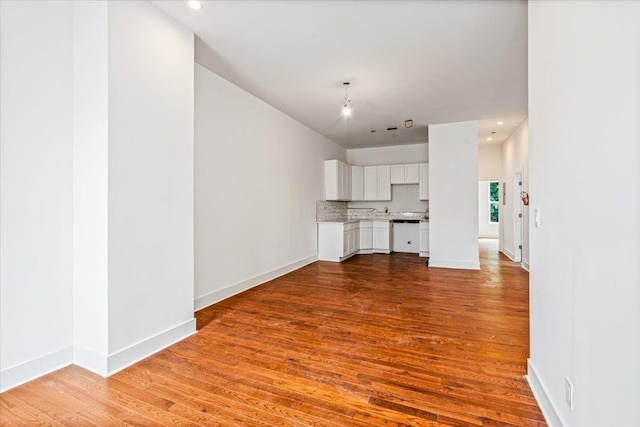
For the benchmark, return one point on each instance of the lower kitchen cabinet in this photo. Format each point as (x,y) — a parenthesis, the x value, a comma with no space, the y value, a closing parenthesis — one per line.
(382,236)
(338,241)
(366,236)
(424,239)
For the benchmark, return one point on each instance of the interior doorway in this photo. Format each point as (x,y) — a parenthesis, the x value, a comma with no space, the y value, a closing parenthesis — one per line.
(489,209)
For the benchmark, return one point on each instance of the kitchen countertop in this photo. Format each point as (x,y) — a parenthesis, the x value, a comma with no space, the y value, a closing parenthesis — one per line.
(347,221)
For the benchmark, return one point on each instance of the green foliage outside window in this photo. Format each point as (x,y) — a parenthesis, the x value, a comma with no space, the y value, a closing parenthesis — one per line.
(494,199)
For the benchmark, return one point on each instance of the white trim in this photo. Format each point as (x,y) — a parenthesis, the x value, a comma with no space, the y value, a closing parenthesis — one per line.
(509,254)
(525,265)
(549,411)
(136,352)
(90,360)
(229,291)
(27,371)
(445,263)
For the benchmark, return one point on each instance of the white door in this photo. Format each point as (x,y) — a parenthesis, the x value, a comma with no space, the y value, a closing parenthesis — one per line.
(517,217)
(423,188)
(381,239)
(424,240)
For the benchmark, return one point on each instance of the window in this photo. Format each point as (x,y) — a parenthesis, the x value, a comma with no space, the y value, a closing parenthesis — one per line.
(494,199)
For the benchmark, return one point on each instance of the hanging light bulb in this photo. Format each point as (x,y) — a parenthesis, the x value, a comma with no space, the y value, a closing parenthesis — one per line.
(346,110)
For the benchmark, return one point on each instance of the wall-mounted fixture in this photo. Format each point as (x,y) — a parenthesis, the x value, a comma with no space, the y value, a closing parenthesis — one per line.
(408,123)
(346,110)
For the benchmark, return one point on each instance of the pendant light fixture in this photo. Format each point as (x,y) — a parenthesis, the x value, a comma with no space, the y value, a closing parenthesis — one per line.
(346,110)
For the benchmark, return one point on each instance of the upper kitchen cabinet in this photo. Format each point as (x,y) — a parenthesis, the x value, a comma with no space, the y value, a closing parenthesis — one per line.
(377,183)
(357,183)
(397,174)
(423,187)
(337,180)
(384,183)
(404,174)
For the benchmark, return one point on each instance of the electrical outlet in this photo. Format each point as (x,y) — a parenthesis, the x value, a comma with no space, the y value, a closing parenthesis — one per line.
(568,392)
(409,242)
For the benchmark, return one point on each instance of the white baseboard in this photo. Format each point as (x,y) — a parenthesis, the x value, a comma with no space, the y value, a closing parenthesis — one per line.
(134,353)
(90,360)
(27,371)
(551,414)
(525,265)
(229,291)
(462,265)
(509,254)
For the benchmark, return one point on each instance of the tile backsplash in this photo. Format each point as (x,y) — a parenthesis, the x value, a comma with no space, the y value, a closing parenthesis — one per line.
(339,211)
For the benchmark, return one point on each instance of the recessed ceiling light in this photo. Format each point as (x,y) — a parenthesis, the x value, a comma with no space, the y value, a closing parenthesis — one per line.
(489,139)
(500,123)
(195,4)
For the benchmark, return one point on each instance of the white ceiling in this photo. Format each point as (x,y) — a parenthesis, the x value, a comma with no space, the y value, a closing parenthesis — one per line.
(430,61)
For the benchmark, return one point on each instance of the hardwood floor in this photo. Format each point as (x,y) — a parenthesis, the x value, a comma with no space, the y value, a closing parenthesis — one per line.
(376,340)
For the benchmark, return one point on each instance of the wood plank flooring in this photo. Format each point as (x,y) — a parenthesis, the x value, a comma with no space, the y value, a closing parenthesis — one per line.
(378,340)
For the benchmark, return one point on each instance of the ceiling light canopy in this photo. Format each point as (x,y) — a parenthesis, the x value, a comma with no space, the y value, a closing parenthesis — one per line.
(195,4)
(346,109)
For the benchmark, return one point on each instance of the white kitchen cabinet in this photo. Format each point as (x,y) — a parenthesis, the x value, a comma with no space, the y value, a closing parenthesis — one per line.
(423,187)
(424,239)
(405,174)
(384,182)
(337,180)
(397,174)
(371,183)
(412,174)
(382,235)
(366,236)
(338,241)
(357,183)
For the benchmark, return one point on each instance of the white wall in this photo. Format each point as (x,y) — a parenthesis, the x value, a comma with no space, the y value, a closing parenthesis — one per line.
(36,294)
(90,185)
(151,184)
(490,163)
(453,195)
(258,174)
(393,155)
(584,104)
(486,228)
(516,159)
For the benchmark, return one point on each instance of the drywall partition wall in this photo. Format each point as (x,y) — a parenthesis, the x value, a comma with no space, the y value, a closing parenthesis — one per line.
(515,155)
(584,104)
(453,195)
(90,185)
(151,234)
(258,175)
(401,154)
(36,122)
(490,163)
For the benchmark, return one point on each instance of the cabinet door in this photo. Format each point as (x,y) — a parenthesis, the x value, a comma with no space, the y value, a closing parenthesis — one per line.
(384,183)
(357,183)
(381,239)
(397,174)
(370,183)
(345,184)
(423,188)
(411,174)
(331,178)
(366,238)
(424,240)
